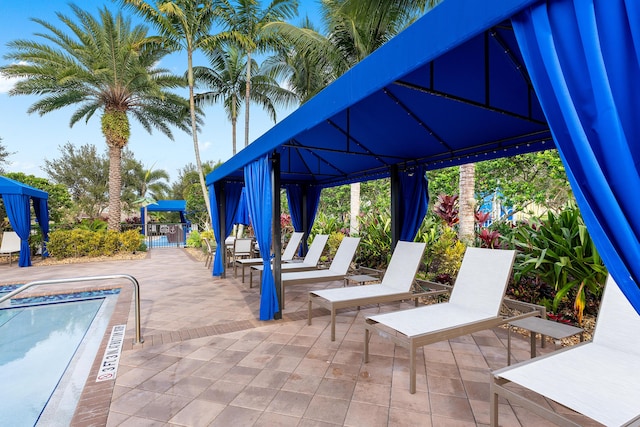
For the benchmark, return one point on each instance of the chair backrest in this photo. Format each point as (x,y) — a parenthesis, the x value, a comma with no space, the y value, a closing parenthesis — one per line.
(316,248)
(10,242)
(206,242)
(404,265)
(618,322)
(344,255)
(482,280)
(292,246)
(243,247)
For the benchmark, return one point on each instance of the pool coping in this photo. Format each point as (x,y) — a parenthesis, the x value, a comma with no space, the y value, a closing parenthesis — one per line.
(93,405)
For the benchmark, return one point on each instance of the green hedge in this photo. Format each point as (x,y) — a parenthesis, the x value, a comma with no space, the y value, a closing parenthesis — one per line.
(80,243)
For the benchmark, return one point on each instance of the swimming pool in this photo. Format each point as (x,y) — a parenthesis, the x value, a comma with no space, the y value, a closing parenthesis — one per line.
(47,352)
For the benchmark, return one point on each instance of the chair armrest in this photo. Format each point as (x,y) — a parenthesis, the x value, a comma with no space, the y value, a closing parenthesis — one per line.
(525,307)
(368,271)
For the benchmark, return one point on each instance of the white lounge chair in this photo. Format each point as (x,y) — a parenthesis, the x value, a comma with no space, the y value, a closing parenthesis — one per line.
(287,255)
(395,285)
(474,305)
(310,261)
(599,379)
(10,245)
(336,271)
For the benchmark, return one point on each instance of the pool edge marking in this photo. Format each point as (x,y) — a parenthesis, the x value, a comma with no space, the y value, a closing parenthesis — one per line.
(109,366)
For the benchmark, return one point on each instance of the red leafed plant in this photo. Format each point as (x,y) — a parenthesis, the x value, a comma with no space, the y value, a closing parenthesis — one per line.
(482,217)
(489,239)
(445,207)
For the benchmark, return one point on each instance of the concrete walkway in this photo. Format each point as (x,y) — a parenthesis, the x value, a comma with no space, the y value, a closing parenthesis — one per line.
(207,360)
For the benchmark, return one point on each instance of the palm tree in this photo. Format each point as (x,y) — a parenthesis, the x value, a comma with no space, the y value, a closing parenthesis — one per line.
(101,65)
(183,25)
(302,63)
(152,183)
(227,83)
(247,26)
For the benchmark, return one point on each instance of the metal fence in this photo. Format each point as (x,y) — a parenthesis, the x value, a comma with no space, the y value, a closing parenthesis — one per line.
(163,235)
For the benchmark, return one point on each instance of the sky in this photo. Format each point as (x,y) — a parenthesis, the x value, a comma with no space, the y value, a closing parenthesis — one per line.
(32,138)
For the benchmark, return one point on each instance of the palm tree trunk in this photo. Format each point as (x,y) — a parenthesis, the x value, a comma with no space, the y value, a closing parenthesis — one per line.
(354,219)
(234,123)
(246,100)
(194,132)
(115,185)
(467,199)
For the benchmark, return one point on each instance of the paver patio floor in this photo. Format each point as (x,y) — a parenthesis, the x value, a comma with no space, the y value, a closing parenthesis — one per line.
(207,360)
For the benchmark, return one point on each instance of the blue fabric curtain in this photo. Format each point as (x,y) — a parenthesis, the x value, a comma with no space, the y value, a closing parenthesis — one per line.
(584,61)
(294,198)
(232,192)
(242,213)
(17,206)
(257,178)
(41,208)
(415,199)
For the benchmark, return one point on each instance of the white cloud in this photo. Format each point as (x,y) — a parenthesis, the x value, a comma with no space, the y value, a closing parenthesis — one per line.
(204,146)
(6,83)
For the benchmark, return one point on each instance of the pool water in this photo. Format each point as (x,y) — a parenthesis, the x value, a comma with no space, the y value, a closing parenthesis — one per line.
(38,343)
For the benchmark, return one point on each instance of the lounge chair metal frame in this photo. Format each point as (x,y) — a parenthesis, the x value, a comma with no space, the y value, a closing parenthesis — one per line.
(602,374)
(469,285)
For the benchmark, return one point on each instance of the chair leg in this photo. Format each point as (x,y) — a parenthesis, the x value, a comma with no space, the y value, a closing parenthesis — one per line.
(412,368)
(333,323)
(493,403)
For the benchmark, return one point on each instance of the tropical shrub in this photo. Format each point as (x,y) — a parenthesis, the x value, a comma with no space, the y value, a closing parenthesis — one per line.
(92,225)
(80,243)
(194,240)
(375,240)
(325,224)
(560,251)
(445,255)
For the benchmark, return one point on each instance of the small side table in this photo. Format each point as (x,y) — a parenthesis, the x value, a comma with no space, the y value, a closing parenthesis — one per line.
(544,327)
(360,279)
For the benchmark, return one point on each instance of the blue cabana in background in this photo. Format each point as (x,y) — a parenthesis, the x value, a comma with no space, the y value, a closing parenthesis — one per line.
(477,80)
(16,197)
(179,206)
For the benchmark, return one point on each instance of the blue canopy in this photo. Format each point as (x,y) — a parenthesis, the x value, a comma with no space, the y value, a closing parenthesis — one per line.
(16,196)
(455,88)
(166,206)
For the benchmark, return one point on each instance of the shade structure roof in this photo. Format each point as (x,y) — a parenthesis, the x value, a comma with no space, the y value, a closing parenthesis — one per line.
(450,89)
(167,206)
(10,186)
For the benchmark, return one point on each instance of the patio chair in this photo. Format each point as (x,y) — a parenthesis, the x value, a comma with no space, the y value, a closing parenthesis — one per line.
(336,271)
(209,255)
(599,379)
(287,255)
(310,261)
(242,248)
(396,284)
(474,305)
(10,245)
